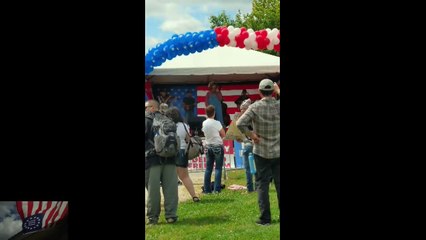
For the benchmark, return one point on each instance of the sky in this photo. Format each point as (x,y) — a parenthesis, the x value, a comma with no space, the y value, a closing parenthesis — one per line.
(10,221)
(163,18)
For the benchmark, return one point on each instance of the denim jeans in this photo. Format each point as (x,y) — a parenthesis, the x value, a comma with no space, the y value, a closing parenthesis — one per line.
(265,170)
(214,154)
(248,148)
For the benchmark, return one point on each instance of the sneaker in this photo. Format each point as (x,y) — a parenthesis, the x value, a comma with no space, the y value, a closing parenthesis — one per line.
(152,222)
(263,223)
(171,220)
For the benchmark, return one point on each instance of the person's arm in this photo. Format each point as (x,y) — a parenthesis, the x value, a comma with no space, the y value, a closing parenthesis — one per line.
(276,89)
(244,121)
(207,99)
(222,133)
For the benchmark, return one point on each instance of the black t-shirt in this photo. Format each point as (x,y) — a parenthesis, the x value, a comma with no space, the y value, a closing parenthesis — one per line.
(189,102)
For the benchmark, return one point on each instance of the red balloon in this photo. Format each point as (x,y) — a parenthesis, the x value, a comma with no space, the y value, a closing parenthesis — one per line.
(277,48)
(264,33)
(243,29)
(260,42)
(225,32)
(278,35)
(245,35)
(217,30)
(226,40)
(219,38)
(266,41)
(257,33)
(222,44)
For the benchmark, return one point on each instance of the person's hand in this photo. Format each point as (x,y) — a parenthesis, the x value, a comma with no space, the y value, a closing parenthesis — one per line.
(276,89)
(255,138)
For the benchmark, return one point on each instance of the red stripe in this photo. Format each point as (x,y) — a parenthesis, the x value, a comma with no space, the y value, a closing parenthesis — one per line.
(231,87)
(30,208)
(19,208)
(57,212)
(65,212)
(39,207)
(201,111)
(49,204)
(51,214)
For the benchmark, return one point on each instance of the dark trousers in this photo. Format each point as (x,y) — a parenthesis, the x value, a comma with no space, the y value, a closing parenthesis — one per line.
(265,170)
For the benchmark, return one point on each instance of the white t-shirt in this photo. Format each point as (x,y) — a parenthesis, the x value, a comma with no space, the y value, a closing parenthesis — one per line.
(182,133)
(211,130)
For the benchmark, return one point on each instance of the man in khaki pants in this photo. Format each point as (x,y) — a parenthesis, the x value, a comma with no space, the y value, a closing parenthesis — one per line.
(161,173)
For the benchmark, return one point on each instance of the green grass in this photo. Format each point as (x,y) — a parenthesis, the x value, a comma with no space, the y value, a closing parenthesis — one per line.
(228,215)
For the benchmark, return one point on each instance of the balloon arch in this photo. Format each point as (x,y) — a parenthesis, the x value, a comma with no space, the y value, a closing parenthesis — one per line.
(188,43)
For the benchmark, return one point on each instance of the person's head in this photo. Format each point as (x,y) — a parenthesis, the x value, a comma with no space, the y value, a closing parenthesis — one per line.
(163,92)
(244,92)
(244,106)
(151,106)
(174,114)
(163,107)
(210,111)
(266,87)
(212,86)
(188,94)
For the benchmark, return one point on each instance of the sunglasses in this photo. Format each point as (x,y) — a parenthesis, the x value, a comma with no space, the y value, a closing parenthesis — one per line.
(147,107)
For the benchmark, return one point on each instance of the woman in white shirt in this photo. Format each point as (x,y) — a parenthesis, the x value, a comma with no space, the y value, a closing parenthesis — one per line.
(182,161)
(214,133)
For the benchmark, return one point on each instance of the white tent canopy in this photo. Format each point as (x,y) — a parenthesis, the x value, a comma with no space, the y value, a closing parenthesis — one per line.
(220,64)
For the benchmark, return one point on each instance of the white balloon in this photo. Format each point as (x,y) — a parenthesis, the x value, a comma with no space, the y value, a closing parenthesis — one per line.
(270,46)
(232,43)
(247,47)
(275,31)
(275,41)
(230,28)
(237,30)
(250,30)
(252,36)
(268,29)
(254,46)
(247,43)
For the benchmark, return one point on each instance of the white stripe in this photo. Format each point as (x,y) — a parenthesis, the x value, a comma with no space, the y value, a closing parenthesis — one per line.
(25,209)
(203,93)
(35,207)
(43,206)
(46,215)
(61,210)
(57,209)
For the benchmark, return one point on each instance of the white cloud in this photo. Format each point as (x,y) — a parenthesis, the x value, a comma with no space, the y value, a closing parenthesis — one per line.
(151,42)
(9,227)
(182,25)
(173,10)
(6,208)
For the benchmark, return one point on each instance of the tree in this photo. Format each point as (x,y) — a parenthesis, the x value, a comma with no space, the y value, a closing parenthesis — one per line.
(265,14)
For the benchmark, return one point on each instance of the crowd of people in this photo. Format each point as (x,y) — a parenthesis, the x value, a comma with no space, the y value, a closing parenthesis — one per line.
(167,135)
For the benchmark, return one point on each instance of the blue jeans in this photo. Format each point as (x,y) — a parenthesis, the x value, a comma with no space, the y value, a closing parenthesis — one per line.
(248,148)
(214,154)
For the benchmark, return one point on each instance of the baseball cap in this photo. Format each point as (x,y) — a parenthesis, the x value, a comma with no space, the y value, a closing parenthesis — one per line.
(266,85)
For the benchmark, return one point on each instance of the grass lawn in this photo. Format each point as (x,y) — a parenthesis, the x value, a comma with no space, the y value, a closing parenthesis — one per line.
(228,215)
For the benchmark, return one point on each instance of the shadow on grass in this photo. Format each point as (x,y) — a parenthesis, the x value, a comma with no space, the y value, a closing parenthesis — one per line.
(212,199)
(198,221)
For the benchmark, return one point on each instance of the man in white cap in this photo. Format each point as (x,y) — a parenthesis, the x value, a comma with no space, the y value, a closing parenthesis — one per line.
(264,117)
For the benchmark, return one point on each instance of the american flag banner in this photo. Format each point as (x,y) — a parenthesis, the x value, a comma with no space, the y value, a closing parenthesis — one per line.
(39,215)
(230,94)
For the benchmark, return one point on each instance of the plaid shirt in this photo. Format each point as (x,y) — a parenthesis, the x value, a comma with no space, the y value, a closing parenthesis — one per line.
(264,116)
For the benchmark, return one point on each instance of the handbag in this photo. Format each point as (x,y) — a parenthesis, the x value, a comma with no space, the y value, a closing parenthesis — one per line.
(194,146)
